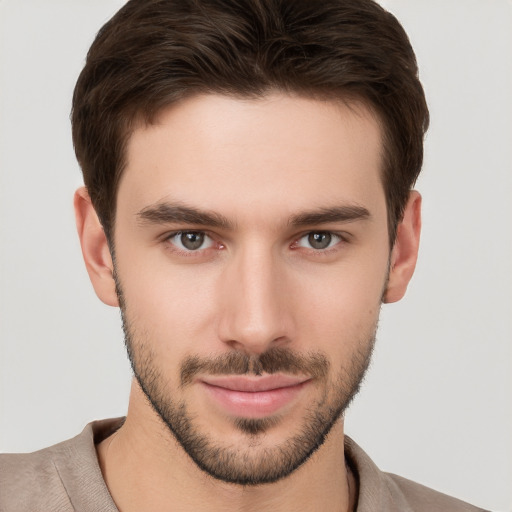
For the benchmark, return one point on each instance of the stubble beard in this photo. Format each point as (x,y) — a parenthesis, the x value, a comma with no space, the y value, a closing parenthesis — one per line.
(253,464)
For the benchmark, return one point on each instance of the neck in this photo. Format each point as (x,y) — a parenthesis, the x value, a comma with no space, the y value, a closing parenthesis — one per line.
(146,469)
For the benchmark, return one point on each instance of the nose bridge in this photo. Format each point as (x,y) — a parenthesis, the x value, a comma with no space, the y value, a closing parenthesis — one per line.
(254,317)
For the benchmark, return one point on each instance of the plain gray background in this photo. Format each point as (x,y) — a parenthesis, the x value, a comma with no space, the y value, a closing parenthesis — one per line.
(436,406)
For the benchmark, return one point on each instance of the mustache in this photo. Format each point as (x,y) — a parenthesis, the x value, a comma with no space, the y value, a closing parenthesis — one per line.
(274,360)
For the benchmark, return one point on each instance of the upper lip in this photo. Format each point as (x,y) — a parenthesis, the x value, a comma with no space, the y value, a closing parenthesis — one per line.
(254,384)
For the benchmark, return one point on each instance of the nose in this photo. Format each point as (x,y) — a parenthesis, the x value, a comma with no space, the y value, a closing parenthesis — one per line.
(255,309)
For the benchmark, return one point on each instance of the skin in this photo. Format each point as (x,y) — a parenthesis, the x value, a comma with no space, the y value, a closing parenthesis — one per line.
(257,285)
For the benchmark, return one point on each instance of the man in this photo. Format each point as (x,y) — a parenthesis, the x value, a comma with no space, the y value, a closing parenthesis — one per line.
(248,206)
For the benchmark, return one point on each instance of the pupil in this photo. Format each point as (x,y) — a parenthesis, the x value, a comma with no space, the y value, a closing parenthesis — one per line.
(192,240)
(319,240)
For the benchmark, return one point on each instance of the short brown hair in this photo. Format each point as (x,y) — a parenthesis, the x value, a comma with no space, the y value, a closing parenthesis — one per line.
(153,53)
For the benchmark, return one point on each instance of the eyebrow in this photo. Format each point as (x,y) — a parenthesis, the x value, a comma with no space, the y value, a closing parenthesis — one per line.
(169,213)
(345,213)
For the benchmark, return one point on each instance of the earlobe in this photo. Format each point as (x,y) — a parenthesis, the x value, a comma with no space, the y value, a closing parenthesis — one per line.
(95,249)
(405,250)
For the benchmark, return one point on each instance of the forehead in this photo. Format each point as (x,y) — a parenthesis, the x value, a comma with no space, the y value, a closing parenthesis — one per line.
(246,156)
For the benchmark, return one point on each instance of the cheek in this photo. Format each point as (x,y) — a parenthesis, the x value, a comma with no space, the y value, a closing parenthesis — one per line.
(341,310)
(173,306)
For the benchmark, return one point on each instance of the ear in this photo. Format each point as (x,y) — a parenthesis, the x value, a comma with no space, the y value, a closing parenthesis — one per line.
(95,249)
(405,250)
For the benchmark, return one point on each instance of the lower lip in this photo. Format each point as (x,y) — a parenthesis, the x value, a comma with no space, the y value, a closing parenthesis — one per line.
(253,404)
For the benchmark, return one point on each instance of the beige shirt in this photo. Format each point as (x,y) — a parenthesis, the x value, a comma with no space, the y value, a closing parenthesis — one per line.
(67,477)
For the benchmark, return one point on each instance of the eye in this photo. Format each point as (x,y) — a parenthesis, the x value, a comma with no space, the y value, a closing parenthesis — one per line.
(318,240)
(188,241)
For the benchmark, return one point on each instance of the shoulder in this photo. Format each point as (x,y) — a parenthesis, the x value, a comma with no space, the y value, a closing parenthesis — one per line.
(31,481)
(391,493)
(61,478)
(424,499)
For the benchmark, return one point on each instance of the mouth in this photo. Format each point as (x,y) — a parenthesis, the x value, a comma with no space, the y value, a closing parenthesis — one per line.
(251,396)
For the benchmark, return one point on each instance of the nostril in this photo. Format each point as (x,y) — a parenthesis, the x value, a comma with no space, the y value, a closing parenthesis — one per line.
(254,346)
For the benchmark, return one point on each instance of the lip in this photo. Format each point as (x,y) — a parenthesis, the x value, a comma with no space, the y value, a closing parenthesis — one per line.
(253,397)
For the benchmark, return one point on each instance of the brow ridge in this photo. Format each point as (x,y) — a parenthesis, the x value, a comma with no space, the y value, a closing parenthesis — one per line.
(168,213)
(345,213)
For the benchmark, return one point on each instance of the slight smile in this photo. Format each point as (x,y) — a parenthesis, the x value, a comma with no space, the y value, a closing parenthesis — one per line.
(254,397)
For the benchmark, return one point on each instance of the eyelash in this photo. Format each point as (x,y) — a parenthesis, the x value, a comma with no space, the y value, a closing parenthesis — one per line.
(341,239)
(188,252)
(338,239)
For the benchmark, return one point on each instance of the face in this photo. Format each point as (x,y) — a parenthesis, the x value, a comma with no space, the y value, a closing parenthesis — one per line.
(251,258)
